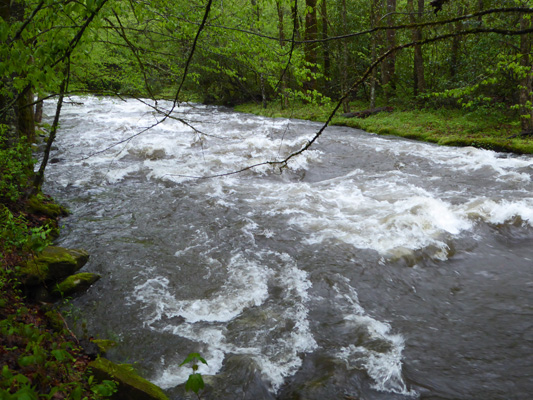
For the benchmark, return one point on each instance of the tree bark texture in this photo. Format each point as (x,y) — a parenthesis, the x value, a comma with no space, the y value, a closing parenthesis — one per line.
(284,78)
(419,81)
(373,50)
(310,49)
(388,67)
(526,84)
(324,35)
(345,57)
(21,117)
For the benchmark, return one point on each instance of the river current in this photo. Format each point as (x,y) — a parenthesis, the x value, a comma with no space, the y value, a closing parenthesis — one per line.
(370,268)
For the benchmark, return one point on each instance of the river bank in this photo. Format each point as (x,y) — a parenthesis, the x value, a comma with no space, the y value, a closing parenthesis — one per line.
(40,354)
(489,129)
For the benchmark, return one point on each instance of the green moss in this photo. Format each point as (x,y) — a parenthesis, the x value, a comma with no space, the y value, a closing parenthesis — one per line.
(130,385)
(53,264)
(75,283)
(55,320)
(39,205)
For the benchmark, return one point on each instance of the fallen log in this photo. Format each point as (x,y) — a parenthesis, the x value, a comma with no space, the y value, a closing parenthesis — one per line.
(521,134)
(367,113)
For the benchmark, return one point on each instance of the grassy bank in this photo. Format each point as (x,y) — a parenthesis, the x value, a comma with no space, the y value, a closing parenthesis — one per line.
(483,128)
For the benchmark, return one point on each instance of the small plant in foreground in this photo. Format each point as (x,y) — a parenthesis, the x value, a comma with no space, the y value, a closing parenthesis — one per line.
(195,383)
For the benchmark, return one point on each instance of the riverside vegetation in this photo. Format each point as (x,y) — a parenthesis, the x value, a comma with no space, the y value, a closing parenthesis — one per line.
(484,128)
(40,356)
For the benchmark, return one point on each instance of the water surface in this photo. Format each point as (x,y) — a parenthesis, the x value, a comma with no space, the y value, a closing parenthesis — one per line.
(370,268)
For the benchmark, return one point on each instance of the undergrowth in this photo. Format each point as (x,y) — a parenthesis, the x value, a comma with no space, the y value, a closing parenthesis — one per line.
(39,360)
(39,357)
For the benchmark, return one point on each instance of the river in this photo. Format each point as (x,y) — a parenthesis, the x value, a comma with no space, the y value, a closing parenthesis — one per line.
(371,268)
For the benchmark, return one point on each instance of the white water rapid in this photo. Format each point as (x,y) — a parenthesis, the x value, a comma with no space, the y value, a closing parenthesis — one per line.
(370,268)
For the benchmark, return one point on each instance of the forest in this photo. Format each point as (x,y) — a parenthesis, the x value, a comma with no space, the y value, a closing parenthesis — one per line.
(464,68)
(466,54)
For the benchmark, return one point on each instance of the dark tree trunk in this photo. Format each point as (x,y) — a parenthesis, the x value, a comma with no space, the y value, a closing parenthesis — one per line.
(20,113)
(38,116)
(373,49)
(526,111)
(284,78)
(456,47)
(419,81)
(344,63)
(24,111)
(295,19)
(388,67)
(310,49)
(325,45)
(6,116)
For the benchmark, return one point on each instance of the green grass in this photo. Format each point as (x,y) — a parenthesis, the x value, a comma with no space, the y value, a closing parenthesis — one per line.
(484,128)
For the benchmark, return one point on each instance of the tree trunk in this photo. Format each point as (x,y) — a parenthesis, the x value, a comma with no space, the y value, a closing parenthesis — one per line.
(526,110)
(284,78)
(388,67)
(373,50)
(38,115)
(295,19)
(344,63)
(419,81)
(456,46)
(325,45)
(5,117)
(21,115)
(24,111)
(310,49)
(39,176)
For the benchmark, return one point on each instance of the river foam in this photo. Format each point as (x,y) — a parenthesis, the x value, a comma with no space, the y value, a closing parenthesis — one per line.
(227,274)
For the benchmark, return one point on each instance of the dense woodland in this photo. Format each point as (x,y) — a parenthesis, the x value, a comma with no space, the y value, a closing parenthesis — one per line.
(443,52)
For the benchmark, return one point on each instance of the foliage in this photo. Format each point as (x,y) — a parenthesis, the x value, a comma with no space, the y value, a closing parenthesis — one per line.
(39,362)
(195,383)
(487,128)
(16,167)
(18,236)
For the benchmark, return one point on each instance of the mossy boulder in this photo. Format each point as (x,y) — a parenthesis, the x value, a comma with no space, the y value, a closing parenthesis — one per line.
(104,344)
(39,205)
(130,385)
(75,284)
(53,264)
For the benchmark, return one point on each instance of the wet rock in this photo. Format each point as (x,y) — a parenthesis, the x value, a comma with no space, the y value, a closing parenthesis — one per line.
(76,283)
(130,385)
(53,264)
(240,378)
(90,348)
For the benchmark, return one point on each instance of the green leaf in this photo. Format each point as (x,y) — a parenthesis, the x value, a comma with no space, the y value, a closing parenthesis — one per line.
(26,393)
(61,355)
(76,393)
(193,357)
(194,383)
(26,360)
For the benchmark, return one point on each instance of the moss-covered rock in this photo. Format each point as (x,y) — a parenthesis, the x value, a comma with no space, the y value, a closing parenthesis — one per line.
(75,284)
(53,264)
(130,385)
(39,205)
(104,344)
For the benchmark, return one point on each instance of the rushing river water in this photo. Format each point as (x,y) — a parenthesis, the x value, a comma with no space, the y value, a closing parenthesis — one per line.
(371,268)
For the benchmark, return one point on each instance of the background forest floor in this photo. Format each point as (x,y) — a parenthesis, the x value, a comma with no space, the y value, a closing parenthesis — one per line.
(486,128)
